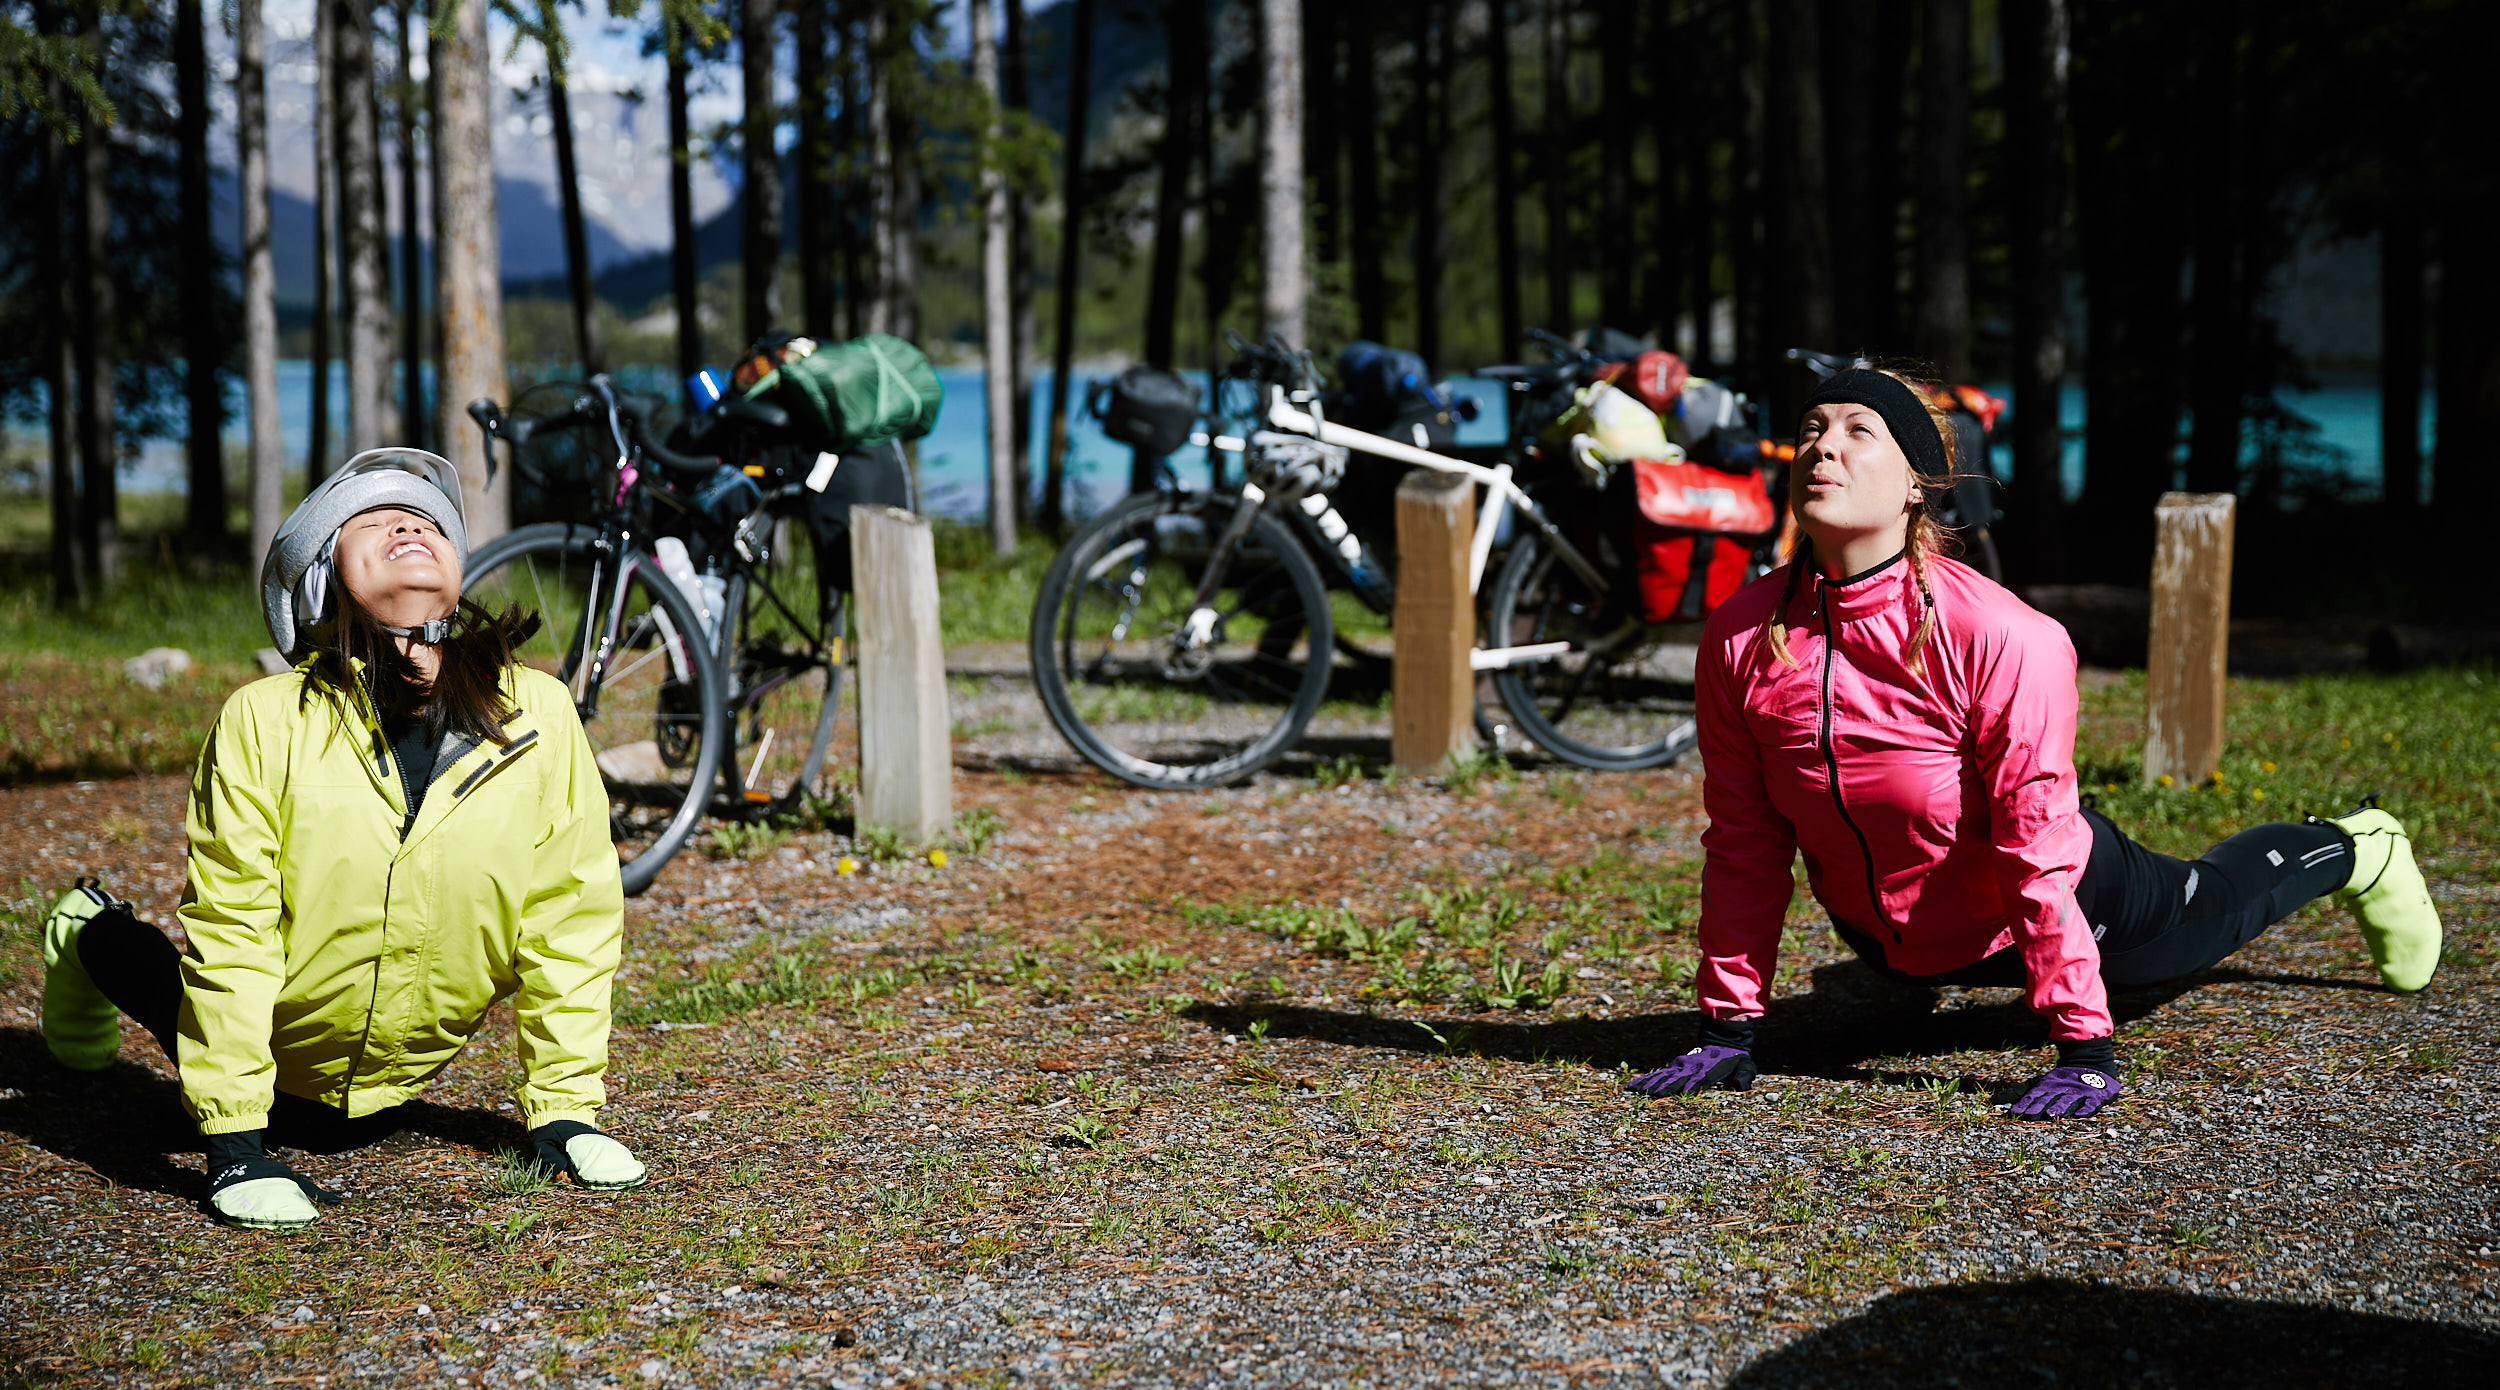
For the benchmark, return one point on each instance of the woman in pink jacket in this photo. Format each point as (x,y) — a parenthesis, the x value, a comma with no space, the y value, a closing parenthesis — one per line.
(1909,726)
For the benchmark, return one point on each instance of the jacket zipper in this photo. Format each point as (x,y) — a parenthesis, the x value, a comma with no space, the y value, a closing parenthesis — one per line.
(1831,771)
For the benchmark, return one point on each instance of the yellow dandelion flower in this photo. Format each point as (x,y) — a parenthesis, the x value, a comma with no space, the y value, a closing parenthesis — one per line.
(846,865)
(2164,779)
(2257,794)
(937,859)
(2265,767)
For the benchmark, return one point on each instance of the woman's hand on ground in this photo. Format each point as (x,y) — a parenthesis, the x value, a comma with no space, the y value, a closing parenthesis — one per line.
(246,1187)
(595,1160)
(2068,1092)
(1708,1066)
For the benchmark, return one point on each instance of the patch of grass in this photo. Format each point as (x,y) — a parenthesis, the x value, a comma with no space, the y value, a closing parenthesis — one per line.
(974,829)
(1083,1132)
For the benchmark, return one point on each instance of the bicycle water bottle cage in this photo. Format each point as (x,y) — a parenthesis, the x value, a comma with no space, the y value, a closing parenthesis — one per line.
(1290,467)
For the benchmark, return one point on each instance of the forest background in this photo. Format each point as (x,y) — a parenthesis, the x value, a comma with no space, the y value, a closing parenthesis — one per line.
(2114,193)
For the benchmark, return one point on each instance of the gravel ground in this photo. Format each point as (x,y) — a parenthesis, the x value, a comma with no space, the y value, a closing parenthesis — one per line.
(1154,1089)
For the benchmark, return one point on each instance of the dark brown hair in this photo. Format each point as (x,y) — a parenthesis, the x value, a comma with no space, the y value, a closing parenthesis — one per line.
(466,695)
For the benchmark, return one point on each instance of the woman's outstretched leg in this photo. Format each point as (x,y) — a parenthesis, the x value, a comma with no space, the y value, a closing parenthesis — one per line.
(2160,918)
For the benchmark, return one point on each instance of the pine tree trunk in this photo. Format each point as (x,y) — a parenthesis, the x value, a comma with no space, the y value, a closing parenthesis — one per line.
(204,519)
(1886,121)
(1748,232)
(1432,135)
(468,292)
(1019,88)
(759,192)
(1943,329)
(1321,88)
(1662,260)
(997,316)
(370,422)
(1614,180)
(2400,338)
(1556,175)
(2216,368)
(2036,60)
(1845,32)
(2128,91)
(1184,27)
(1704,127)
(260,277)
(682,283)
(1809,201)
(99,500)
(1506,267)
(851,243)
(58,364)
(577,284)
(879,268)
(414,421)
(325,317)
(1284,287)
(1071,236)
(815,172)
(903,280)
(1368,233)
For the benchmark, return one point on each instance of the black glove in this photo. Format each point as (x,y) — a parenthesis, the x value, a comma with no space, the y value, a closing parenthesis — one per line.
(246,1187)
(591,1158)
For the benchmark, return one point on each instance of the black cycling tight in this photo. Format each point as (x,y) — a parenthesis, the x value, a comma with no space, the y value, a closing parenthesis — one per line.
(2158,918)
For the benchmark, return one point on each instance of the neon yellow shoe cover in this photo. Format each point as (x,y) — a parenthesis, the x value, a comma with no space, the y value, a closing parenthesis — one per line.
(604,1165)
(265,1204)
(80,1026)
(2387,895)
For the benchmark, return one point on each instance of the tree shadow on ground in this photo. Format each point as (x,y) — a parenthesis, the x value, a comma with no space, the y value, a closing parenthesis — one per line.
(2057,1331)
(1852,1026)
(126,1120)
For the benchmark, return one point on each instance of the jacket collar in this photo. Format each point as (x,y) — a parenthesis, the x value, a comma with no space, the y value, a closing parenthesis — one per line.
(1866,593)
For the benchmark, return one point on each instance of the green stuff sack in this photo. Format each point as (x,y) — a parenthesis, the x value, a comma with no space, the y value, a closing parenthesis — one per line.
(854,395)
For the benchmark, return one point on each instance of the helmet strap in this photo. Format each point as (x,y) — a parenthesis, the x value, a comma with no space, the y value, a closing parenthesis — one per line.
(431,632)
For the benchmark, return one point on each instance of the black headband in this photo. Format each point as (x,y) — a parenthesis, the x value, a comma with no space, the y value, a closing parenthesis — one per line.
(1904,414)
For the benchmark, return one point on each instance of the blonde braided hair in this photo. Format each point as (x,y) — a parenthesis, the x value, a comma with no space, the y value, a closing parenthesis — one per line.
(1925,537)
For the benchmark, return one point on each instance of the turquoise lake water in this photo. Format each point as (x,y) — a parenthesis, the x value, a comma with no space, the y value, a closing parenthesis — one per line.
(952,468)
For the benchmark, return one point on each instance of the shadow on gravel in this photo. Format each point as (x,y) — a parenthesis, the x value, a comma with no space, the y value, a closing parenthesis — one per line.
(124,1121)
(1851,1018)
(2056,1331)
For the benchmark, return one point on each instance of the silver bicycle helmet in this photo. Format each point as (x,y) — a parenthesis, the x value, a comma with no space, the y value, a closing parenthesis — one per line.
(295,579)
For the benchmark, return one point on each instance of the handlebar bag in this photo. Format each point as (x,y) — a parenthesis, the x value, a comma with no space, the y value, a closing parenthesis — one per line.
(1151,409)
(1693,534)
(870,390)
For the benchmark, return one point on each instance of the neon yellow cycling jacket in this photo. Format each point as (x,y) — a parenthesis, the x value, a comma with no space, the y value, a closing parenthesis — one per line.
(334,958)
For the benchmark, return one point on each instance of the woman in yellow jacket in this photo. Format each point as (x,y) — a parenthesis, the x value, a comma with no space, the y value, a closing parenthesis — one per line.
(384,842)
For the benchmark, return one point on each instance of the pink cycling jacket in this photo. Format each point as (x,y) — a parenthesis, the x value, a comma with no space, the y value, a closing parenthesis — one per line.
(1937,814)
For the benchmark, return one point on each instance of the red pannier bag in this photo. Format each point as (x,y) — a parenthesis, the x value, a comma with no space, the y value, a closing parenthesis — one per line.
(1694,535)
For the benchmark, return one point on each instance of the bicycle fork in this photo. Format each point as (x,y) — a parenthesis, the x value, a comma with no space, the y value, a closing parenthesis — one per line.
(1189,646)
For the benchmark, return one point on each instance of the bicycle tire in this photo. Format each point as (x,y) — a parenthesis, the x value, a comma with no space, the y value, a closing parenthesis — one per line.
(1267,691)
(1586,713)
(656,793)
(784,686)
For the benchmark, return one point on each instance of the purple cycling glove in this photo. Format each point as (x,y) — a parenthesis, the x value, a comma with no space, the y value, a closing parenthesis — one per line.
(2068,1092)
(1709,1065)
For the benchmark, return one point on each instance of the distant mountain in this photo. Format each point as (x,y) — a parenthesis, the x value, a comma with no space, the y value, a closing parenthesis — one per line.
(1126,49)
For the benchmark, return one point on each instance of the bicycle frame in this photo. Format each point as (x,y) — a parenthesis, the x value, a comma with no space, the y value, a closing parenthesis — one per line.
(1502,494)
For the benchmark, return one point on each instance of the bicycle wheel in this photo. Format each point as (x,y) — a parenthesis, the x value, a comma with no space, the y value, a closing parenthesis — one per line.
(1610,703)
(1115,665)
(654,717)
(785,676)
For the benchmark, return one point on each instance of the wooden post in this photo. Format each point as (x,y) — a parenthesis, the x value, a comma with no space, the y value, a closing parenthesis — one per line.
(2191,636)
(1432,686)
(906,758)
